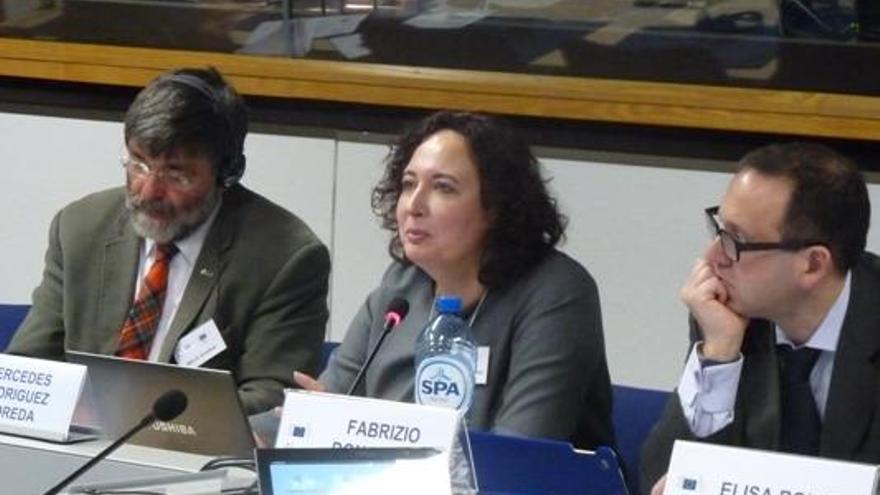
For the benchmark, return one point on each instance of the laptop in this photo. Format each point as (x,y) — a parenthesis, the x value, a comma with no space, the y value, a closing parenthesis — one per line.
(389,471)
(120,392)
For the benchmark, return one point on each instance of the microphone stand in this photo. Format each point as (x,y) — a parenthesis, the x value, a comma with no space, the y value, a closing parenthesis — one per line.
(148,419)
(389,324)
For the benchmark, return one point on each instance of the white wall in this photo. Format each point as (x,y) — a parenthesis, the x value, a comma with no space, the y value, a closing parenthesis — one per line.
(47,162)
(636,228)
(297,173)
(360,245)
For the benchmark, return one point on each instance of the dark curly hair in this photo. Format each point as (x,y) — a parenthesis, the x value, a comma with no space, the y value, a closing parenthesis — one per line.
(526,224)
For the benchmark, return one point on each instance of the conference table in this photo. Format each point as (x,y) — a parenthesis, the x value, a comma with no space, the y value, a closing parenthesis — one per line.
(503,464)
(29,466)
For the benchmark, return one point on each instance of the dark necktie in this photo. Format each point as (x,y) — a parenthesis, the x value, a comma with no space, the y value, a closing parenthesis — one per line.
(801,424)
(139,328)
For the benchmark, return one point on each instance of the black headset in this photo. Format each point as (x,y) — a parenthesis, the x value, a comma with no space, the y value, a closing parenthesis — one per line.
(231,168)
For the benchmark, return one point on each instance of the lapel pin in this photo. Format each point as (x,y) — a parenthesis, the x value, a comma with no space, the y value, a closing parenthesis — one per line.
(206,272)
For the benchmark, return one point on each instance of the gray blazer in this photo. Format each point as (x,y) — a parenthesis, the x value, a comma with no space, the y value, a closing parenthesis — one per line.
(547,371)
(262,276)
(851,429)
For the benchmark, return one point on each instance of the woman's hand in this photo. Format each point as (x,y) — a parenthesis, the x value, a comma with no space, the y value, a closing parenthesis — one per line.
(265,427)
(308,383)
(659,486)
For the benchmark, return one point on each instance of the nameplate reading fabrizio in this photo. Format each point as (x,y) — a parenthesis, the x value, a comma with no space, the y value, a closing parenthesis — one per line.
(315,420)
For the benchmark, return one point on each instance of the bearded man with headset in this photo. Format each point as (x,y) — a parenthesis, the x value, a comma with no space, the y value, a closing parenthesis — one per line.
(184,264)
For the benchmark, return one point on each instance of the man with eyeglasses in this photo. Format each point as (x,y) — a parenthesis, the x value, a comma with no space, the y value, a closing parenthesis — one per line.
(785,317)
(184,264)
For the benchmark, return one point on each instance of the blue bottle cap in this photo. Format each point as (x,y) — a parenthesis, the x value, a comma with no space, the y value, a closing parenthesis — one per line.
(448,304)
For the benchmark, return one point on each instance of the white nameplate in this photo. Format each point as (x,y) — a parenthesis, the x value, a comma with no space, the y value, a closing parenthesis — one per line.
(316,420)
(481,376)
(705,469)
(199,345)
(38,396)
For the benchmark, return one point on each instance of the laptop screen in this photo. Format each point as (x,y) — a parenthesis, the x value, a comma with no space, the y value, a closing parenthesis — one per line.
(120,392)
(352,471)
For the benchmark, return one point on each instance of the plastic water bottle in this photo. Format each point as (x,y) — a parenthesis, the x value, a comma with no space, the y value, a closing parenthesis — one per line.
(446,359)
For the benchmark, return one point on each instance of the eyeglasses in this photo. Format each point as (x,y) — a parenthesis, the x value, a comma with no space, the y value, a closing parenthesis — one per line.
(732,247)
(138,169)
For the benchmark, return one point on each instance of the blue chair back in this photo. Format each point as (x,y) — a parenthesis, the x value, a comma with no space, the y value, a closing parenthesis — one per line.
(635,412)
(11,316)
(327,350)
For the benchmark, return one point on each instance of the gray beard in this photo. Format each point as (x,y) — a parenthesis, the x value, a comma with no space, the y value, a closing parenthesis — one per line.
(179,227)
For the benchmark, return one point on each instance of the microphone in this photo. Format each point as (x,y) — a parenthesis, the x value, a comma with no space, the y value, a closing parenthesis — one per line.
(394,314)
(167,407)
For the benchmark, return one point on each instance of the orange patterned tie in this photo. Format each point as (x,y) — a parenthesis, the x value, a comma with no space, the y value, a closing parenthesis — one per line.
(139,328)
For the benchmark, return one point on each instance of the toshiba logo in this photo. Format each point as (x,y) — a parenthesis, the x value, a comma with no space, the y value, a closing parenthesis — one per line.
(180,429)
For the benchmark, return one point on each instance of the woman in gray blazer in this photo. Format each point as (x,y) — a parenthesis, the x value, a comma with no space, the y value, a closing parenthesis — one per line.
(469,215)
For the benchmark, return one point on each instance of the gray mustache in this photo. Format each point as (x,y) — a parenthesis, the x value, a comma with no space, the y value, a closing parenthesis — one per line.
(155,207)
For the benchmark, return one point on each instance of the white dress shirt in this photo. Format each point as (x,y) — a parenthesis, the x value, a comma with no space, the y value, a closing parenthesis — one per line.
(708,392)
(179,271)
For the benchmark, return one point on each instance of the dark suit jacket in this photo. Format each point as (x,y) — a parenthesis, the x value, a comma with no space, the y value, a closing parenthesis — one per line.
(851,429)
(262,276)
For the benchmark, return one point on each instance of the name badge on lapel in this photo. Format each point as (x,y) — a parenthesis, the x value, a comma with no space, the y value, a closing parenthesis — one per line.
(481,375)
(199,345)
